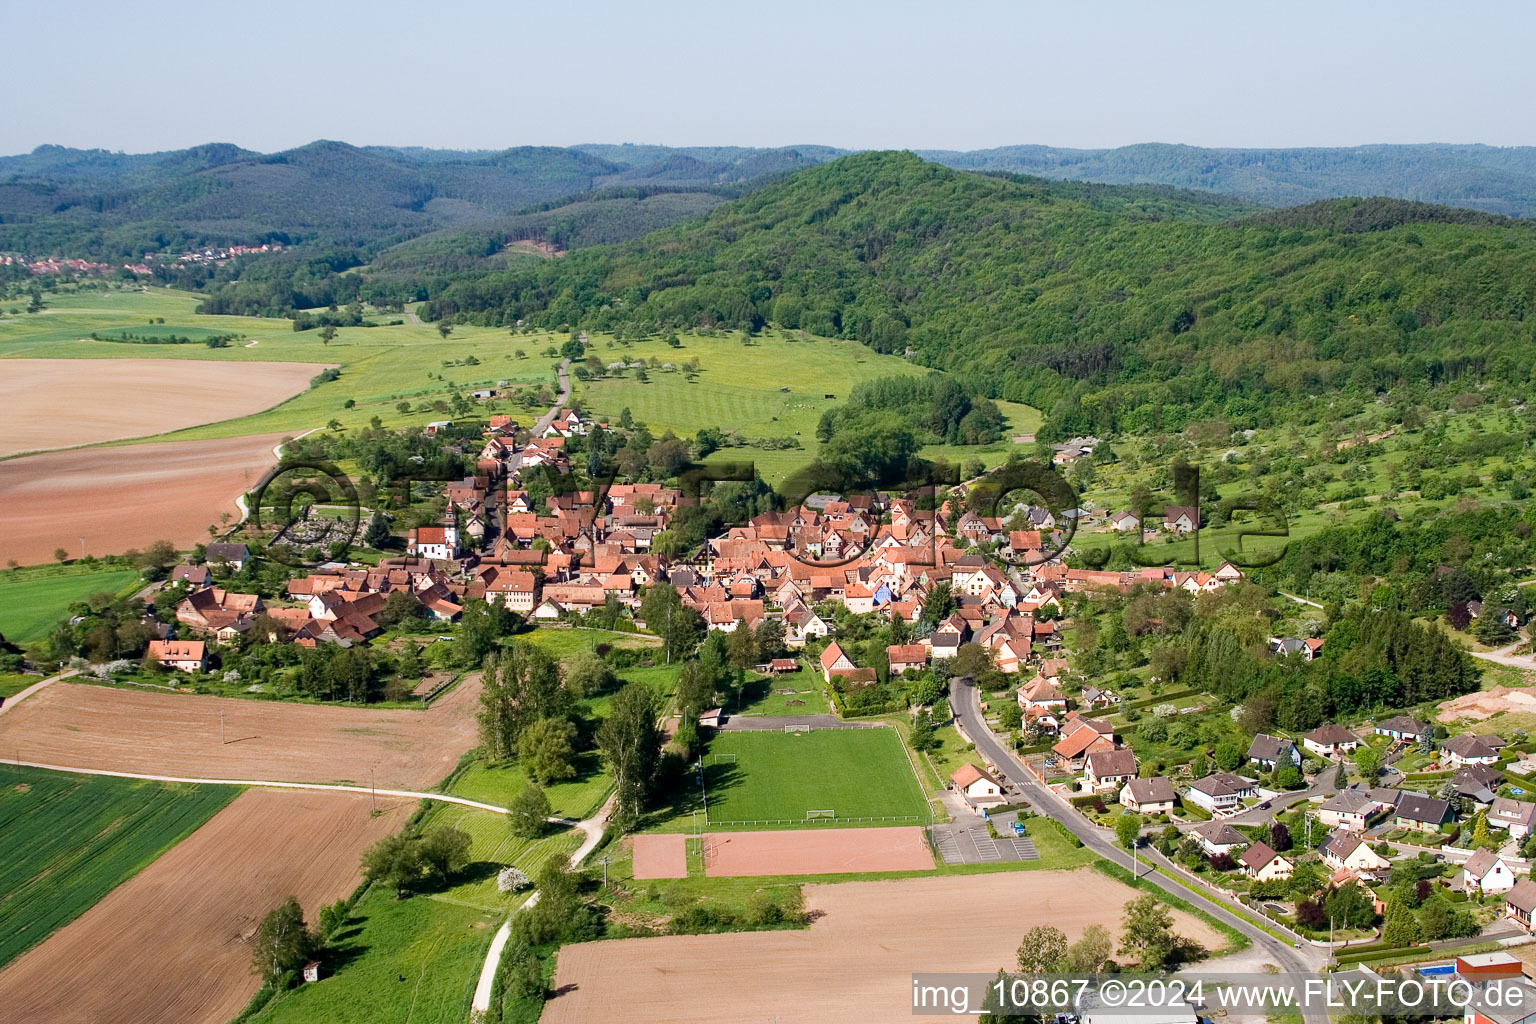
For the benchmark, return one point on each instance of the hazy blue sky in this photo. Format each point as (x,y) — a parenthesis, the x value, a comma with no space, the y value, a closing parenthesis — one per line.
(856,73)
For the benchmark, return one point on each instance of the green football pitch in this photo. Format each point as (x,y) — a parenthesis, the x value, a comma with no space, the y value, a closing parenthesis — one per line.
(860,776)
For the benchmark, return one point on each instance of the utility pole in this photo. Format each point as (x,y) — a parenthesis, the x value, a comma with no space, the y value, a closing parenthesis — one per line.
(373,794)
(605,872)
(221,727)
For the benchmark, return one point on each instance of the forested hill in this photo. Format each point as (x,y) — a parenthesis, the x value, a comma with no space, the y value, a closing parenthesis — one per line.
(1489,178)
(1108,307)
(92,203)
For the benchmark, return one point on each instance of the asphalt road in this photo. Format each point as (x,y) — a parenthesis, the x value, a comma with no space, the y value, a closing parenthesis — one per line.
(560,400)
(966,704)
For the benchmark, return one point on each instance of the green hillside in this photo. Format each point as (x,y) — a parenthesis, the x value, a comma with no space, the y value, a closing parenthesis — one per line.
(1109,308)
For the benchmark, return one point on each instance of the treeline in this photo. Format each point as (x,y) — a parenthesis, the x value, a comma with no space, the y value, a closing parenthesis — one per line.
(1106,317)
(944,408)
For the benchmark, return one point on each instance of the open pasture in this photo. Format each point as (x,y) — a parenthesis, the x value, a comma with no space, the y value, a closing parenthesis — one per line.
(854,963)
(32,601)
(380,366)
(60,403)
(173,942)
(125,497)
(146,732)
(774,779)
(71,839)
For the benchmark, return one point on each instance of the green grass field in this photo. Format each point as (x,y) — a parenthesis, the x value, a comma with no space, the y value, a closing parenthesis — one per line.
(71,839)
(435,940)
(775,778)
(573,798)
(762,696)
(32,601)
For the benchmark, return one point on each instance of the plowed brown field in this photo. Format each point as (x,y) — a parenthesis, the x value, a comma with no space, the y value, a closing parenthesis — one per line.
(60,403)
(172,943)
(77,726)
(125,497)
(855,963)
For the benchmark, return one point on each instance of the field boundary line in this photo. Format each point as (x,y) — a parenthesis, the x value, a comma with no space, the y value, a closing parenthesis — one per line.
(262,784)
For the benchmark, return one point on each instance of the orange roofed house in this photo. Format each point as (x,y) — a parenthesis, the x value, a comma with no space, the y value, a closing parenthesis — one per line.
(183,655)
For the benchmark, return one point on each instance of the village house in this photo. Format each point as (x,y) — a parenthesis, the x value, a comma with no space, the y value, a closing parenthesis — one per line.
(906,658)
(515,590)
(221,553)
(834,662)
(1148,796)
(1268,751)
(977,785)
(182,655)
(1081,737)
(1486,872)
(192,575)
(1347,850)
(1220,793)
(1262,864)
(1109,769)
(1330,741)
(1478,782)
(1125,522)
(1217,838)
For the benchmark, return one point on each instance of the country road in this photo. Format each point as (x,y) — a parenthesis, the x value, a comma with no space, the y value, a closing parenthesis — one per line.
(1502,656)
(560,400)
(967,708)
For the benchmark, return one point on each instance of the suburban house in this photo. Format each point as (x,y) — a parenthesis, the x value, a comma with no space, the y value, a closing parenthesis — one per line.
(1125,522)
(1478,782)
(1423,813)
(1515,816)
(1330,741)
(834,662)
(192,575)
(183,655)
(977,785)
(1347,810)
(1401,727)
(1181,518)
(1520,902)
(1268,751)
(1219,793)
(1148,796)
(1083,736)
(1109,769)
(906,658)
(1485,871)
(1347,850)
(1261,863)
(1468,749)
(1217,838)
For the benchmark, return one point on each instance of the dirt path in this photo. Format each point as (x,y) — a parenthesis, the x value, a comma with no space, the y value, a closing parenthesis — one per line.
(593,828)
(1504,656)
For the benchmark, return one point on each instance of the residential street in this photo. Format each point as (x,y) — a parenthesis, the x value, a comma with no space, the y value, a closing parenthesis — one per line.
(966,704)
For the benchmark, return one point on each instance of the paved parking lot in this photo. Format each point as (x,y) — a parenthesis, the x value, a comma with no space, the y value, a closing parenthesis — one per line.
(972,845)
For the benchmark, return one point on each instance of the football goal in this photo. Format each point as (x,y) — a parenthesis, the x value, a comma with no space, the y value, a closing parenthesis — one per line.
(823,815)
(724,758)
(796,729)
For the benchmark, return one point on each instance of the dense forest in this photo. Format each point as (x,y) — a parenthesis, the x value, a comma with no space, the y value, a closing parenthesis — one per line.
(1110,308)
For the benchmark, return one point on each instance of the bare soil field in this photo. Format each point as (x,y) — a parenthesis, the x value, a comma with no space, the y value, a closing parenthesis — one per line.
(172,943)
(125,497)
(60,403)
(855,963)
(74,725)
(835,851)
(664,856)
(1485,704)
